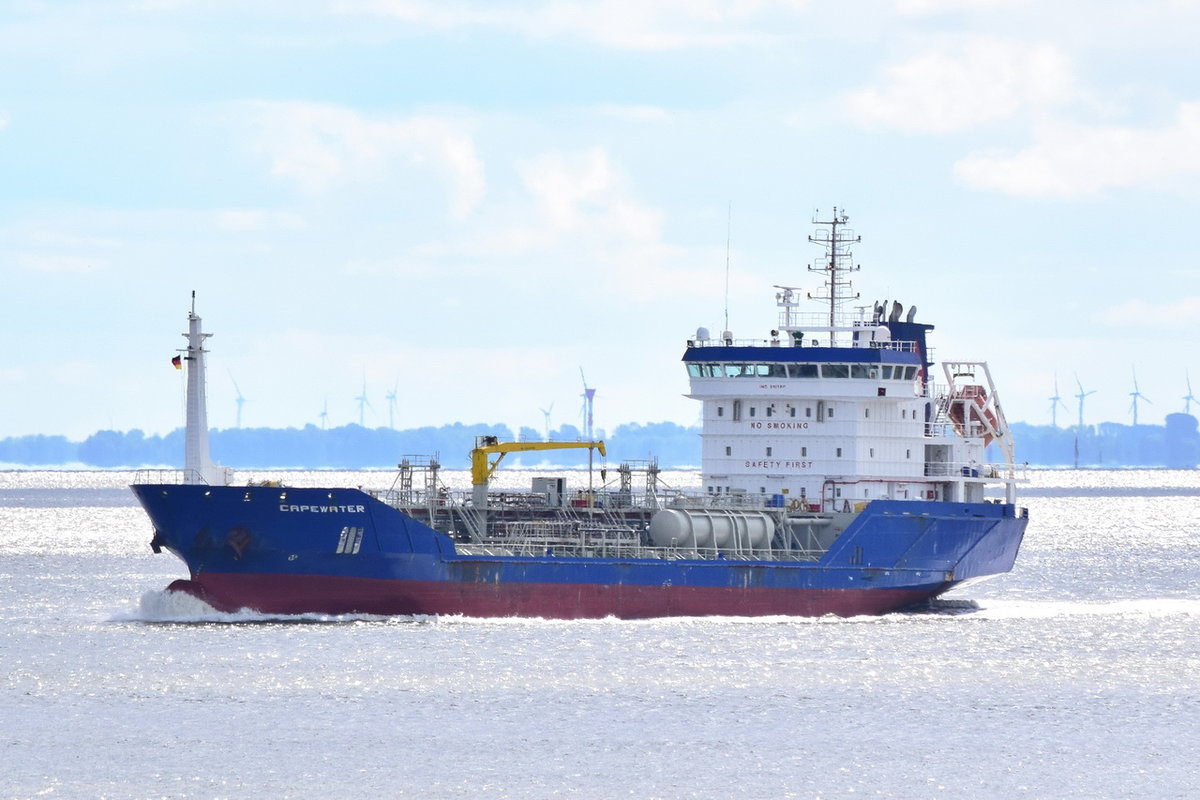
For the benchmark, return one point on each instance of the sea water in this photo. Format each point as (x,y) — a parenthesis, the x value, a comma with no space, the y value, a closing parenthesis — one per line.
(1075,676)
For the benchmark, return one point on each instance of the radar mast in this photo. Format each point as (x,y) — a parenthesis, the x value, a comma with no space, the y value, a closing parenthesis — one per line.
(837,265)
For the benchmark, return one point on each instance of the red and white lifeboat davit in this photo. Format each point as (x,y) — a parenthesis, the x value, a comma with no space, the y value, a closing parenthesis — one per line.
(972,415)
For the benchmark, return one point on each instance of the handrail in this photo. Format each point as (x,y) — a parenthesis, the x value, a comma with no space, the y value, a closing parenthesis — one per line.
(899,345)
(168,476)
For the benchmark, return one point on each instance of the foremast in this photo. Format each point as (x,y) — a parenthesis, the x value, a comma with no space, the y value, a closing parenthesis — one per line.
(197,463)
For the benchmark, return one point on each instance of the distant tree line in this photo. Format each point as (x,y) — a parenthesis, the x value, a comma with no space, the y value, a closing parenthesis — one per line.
(347,447)
(1175,444)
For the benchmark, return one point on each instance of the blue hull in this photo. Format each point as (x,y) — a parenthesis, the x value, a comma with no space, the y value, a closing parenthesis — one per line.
(285,551)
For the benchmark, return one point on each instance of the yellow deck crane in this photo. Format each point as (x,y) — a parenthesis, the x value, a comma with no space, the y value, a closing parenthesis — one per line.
(482,467)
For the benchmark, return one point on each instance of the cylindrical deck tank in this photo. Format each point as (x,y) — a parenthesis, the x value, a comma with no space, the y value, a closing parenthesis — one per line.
(724,529)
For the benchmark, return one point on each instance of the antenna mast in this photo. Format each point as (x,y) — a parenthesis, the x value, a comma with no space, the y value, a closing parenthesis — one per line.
(837,266)
(728,237)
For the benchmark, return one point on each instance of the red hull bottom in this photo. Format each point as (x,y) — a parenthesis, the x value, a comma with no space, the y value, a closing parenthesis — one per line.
(306,594)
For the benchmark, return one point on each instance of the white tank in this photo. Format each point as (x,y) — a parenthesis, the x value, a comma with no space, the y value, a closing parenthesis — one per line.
(724,529)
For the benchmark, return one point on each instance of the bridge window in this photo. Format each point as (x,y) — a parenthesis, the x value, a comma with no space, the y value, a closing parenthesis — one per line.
(802,370)
(864,371)
(835,370)
(885,372)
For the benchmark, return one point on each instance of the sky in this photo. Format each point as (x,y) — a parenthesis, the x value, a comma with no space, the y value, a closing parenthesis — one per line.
(474,207)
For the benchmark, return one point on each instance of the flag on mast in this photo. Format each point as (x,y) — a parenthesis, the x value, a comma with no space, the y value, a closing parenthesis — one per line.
(178,362)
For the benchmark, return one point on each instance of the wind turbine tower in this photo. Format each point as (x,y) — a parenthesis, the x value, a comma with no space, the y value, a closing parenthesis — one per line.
(324,413)
(1187,398)
(1136,395)
(239,400)
(363,404)
(1055,402)
(391,398)
(589,399)
(546,414)
(1082,394)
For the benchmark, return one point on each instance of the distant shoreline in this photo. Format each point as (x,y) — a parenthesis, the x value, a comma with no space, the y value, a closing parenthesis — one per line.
(1108,445)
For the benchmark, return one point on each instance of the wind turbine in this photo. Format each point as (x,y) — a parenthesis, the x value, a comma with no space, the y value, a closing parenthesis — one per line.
(1136,395)
(1082,394)
(391,398)
(239,400)
(363,404)
(546,414)
(589,398)
(324,413)
(1187,398)
(1055,402)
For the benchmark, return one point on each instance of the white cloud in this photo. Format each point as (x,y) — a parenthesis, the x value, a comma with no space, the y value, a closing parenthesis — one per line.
(1181,313)
(574,190)
(924,7)
(3,121)
(625,24)
(579,220)
(635,113)
(257,219)
(973,82)
(318,146)
(59,264)
(1069,160)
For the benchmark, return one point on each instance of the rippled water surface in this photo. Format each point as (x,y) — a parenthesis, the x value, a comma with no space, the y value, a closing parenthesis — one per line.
(1078,675)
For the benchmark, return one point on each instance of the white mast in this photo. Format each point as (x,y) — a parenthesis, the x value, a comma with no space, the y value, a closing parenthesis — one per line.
(197,464)
(838,264)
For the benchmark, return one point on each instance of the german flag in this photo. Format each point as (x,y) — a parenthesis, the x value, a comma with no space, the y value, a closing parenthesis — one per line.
(178,362)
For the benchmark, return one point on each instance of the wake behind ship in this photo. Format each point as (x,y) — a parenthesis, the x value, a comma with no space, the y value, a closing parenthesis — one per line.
(839,476)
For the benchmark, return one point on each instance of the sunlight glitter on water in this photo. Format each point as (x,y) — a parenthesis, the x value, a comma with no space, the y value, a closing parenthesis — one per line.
(1072,677)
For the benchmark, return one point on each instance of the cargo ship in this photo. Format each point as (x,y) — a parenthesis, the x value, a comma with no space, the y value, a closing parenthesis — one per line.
(840,474)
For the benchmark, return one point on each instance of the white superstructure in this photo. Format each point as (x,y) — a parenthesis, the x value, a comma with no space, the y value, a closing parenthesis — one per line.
(831,410)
